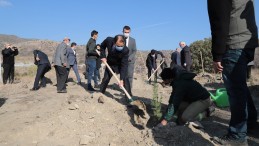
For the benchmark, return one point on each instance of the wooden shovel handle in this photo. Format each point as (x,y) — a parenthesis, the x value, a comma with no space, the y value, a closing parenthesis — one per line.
(122,87)
(156,69)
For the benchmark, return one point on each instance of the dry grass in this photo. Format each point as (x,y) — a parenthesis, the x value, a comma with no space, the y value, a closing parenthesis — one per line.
(25,71)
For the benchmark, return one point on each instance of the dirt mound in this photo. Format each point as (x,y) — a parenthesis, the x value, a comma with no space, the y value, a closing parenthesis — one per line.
(45,117)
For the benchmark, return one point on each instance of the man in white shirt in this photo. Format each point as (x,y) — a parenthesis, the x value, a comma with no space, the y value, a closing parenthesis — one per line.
(131,44)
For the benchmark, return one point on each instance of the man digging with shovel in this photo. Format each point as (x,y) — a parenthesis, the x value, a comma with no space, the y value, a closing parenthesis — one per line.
(117,62)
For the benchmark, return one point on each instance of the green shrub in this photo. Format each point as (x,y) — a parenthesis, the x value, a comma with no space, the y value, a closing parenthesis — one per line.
(156,103)
(204,47)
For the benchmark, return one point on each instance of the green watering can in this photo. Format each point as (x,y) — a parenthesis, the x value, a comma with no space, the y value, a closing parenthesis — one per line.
(221,97)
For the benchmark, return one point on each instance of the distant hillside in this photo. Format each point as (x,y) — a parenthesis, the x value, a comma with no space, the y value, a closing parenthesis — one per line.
(12,39)
(26,46)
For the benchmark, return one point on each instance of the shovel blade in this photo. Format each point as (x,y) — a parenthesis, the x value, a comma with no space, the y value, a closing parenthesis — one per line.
(140,104)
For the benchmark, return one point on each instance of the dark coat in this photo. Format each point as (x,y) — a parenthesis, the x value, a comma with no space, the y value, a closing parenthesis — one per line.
(8,55)
(233,26)
(186,89)
(90,49)
(43,58)
(151,61)
(186,56)
(118,60)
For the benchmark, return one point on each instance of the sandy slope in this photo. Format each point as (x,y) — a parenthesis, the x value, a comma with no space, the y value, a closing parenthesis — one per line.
(46,118)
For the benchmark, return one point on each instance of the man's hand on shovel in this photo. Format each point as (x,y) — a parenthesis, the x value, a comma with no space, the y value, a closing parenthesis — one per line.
(121,83)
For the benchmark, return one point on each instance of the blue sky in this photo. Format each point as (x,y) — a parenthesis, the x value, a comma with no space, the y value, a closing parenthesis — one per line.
(155,24)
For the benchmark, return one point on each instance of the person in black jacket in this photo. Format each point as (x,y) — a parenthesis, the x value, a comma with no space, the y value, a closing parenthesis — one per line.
(117,59)
(91,59)
(186,59)
(151,62)
(175,58)
(8,62)
(234,39)
(42,61)
(189,101)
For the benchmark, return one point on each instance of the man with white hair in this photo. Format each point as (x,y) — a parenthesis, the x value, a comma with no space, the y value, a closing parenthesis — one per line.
(60,64)
(186,59)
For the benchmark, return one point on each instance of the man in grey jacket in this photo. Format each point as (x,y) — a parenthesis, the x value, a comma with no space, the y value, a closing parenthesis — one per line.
(60,64)
(72,61)
(131,44)
(234,39)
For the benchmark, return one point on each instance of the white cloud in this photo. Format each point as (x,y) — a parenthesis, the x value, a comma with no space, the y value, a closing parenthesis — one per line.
(5,3)
(153,25)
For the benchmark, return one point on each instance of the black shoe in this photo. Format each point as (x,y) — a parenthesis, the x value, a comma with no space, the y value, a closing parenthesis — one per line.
(90,88)
(96,86)
(43,86)
(79,83)
(63,91)
(230,140)
(34,89)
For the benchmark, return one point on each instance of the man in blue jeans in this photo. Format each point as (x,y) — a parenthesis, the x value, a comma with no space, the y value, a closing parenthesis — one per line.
(234,39)
(91,59)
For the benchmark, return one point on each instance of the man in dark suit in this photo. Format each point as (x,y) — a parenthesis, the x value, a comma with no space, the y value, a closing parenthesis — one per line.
(186,59)
(151,62)
(60,64)
(42,61)
(118,56)
(8,62)
(131,44)
(72,61)
(175,58)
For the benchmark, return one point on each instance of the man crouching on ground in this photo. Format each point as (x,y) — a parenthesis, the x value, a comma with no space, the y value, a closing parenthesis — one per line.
(189,100)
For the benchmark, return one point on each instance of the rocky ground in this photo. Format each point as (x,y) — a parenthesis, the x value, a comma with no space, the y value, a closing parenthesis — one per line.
(46,118)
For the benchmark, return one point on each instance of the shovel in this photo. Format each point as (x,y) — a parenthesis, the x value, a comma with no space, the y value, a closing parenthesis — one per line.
(140,104)
(156,69)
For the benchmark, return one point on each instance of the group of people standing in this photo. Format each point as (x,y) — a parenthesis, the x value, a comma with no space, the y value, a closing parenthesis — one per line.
(181,57)
(121,58)
(234,39)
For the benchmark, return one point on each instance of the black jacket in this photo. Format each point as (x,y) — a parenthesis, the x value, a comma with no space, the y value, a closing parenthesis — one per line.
(118,60)
(233,26)
(151,61)
(90,49)
(43,58)
(186,56)
(184,89)
(8,55)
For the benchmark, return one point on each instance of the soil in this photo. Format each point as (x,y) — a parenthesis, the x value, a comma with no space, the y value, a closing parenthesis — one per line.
(48,118)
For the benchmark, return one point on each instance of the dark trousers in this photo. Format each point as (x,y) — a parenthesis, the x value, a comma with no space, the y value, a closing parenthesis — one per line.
(106,80)
(40,75)
(130,73)
(8,73)
(61,73)
(149,74)
(242,107)
(188,67)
